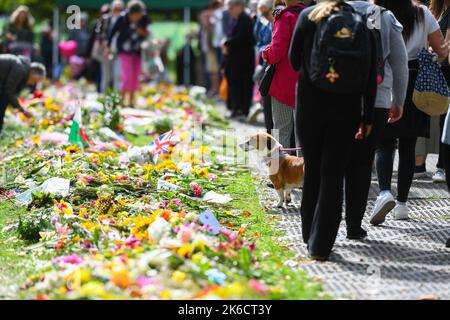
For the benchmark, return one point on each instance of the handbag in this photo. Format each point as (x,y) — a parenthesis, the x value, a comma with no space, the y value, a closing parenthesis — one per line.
(266,81)
(431,93)
(223,90)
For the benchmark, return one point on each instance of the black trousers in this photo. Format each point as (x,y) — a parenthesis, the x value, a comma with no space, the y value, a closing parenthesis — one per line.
(267,105)
(326,131)
(406,166)
(358,176)
(240,90)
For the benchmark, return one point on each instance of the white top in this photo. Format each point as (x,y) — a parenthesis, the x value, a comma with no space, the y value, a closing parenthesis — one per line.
(419,37)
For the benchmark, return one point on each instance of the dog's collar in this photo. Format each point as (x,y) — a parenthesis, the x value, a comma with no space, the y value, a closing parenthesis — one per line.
(275,154)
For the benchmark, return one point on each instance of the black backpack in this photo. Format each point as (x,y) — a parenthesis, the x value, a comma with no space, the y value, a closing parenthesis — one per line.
(342,53)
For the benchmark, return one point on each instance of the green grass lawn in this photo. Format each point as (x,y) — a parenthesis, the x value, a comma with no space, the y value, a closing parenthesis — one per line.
(17,259)
(297,285)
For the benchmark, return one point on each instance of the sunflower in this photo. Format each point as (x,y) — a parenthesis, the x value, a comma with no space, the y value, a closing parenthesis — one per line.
(72,150)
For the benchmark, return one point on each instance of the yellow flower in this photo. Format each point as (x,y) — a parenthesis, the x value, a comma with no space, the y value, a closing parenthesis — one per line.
(83,212)
(35,139)
(201,172)
(178,276)
(72,149)
(19,142)
(165,294)
(48,101)
(102,176)
(77,278)
(168,164)
(67,159)
(89,225)
(107,154)
(233,291)
(197,258)
(121,279)
(52,107)
(186,250)
(140,229)
(93,289)
(63,207)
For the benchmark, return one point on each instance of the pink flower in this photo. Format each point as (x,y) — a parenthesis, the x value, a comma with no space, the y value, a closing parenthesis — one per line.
(144,281)
(230,235)
(212,176)
(197,191)
(62,230)
(184,234)
(258,287)
(59,153)
(70,259)
(176,202)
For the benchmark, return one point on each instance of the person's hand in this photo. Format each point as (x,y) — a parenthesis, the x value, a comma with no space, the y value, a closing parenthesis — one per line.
(142,32)
(364,131)
(395,114)
(11,37)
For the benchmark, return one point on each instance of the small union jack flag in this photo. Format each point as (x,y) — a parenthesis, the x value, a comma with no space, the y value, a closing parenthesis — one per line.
(162,142)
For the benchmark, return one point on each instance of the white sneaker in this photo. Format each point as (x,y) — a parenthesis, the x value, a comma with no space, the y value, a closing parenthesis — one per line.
(439,176)
(384,204)
(401,212)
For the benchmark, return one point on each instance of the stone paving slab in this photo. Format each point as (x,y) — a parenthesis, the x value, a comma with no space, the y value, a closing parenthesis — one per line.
(398,260)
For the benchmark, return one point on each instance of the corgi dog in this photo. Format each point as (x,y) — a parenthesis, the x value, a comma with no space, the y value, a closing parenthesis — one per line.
(286,172)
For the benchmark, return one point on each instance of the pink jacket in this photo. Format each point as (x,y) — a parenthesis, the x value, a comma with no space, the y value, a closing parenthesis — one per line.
(284,82)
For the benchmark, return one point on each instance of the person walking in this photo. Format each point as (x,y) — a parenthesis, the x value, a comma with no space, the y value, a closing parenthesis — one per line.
(391,94)
(282,89)
(331,105)
(16,72)
(419,29)
(131,30)
(263,37)
(239,53)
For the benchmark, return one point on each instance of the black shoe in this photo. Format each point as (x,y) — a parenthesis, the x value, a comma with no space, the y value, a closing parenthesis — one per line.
(318,258)
(420,172)
(448,243)
(356,234)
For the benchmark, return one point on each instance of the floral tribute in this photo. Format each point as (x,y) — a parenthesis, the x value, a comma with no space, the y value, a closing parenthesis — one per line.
(117,224)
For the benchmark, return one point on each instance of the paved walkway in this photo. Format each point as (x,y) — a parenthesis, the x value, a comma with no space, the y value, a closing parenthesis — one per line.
(398,260)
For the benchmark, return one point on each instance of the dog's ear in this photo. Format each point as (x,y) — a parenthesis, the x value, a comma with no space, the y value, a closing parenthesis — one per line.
(269,143)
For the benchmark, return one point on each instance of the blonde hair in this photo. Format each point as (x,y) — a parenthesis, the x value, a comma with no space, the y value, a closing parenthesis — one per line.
(324,9)
(15,15)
